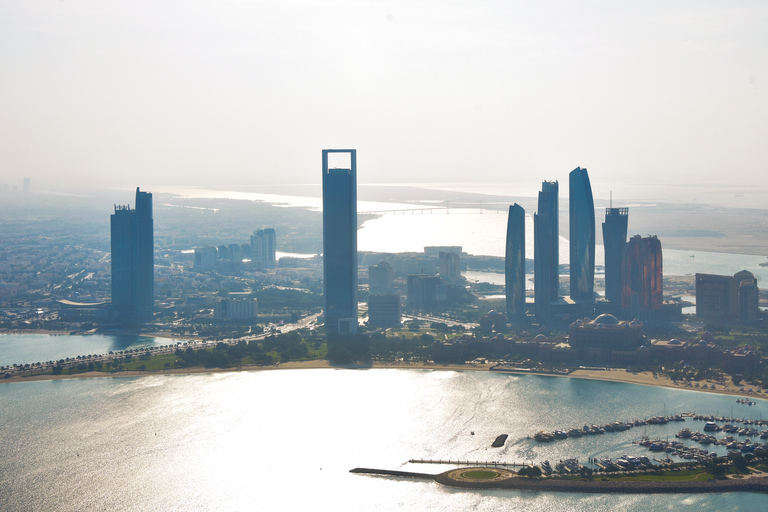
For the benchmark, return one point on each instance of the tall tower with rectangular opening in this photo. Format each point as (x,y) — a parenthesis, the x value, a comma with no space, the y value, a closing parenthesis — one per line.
(340,243)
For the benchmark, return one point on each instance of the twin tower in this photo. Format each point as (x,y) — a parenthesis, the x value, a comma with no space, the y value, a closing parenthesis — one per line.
(547,299)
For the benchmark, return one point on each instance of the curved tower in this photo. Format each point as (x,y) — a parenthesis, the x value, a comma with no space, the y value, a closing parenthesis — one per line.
(582,235)
(546,248)
(642,275)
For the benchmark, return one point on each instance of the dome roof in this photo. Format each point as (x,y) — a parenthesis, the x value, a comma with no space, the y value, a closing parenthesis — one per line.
(607,319)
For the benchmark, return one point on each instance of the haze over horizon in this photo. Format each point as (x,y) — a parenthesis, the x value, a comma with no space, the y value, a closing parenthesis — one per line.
(198,94)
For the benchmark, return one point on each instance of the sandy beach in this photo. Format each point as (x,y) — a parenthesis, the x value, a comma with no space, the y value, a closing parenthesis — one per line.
(611,375)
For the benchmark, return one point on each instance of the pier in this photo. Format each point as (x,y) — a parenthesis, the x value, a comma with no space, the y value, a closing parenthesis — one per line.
(479,463)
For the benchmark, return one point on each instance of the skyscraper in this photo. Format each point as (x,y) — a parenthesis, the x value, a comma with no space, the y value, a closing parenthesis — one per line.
(264,247)
(614,241)
(546,247)
(133,260)
(581,208)
(380,278)
(340,244)
(514,264)
(450,266)
(642,275)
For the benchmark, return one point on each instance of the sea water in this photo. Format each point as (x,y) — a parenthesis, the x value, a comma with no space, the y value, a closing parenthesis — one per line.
(34,348)
(286,440)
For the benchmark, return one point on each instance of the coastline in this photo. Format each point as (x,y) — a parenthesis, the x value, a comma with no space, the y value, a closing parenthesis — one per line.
(610,375)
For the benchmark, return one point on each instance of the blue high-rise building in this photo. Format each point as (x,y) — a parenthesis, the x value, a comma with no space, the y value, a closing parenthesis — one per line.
(546,247)
(340,244)
(614,241)
(133,260)
(581,209)
(514,264)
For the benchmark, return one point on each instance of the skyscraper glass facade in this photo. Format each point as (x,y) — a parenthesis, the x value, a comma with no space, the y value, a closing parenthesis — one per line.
(642,275)
(514,266)
(546,247)
(581,209)
(614,241)
(340,244)
(133,260)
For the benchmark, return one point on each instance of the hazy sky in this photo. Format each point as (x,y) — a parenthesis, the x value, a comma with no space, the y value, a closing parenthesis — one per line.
(247,92)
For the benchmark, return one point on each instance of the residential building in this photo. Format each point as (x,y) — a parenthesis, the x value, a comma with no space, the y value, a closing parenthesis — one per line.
(205,259)
(264,247)
(384,310)
(450,266)
(380,278)
(236,309)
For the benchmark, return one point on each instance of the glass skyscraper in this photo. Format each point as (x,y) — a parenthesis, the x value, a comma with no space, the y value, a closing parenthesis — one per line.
(581,209)
(133,260)
(340,244)
(514,266)
(642,275)
(614,241)
(546,247)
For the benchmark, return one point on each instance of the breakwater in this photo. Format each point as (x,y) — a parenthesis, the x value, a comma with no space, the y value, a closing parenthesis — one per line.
(392,472)
(757,484)
(454,478)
